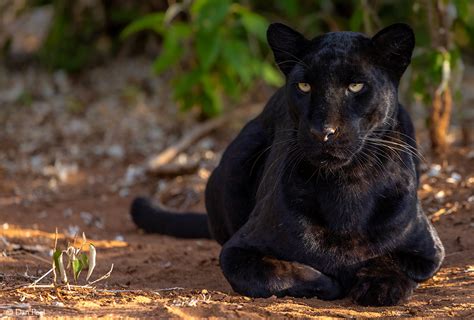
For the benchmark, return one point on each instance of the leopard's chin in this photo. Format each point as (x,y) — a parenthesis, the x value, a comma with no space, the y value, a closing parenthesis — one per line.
(329,161)
(335,158)
(334,162)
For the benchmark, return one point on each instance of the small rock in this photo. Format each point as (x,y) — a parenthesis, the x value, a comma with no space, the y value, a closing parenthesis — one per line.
(86,217)
(434,171)
(133,174)
(182,158)
(57,304)
(209,155)
(99,223)
(67,212)
(116,151)
(37,162)
(454,178)
(440,195)
(72,231)
(61,80)
(427,187)
(206,144)
(162,185)
(204,173)
(124,192)
(60,170)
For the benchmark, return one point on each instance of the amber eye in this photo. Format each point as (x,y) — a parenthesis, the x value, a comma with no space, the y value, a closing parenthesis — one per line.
(356,87)
(304,87)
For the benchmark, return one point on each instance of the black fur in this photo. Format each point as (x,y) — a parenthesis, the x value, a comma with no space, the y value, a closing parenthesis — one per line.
(302,215)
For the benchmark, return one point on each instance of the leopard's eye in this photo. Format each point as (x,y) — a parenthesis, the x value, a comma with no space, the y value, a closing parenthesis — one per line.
(356,87)
(304,87)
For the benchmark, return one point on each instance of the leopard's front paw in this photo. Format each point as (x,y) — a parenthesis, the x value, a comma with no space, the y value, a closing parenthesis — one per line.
(386,290)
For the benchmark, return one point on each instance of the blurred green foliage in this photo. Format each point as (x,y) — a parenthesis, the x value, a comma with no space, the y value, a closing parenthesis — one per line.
(214,50)
(68,45)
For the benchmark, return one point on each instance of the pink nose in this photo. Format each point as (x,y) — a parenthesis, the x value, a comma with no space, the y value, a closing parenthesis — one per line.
(323,135)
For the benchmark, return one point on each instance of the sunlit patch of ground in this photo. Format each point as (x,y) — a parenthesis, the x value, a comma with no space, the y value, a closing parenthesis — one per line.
(77,172)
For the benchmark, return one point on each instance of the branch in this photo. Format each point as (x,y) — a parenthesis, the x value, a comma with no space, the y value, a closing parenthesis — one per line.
(156,162)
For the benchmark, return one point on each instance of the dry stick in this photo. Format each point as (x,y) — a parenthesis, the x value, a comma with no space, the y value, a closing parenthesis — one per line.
(175,169)
(41,278)
(443,212)
(172,151)
(166,156)
(139,290)
(39,258)
(105,276)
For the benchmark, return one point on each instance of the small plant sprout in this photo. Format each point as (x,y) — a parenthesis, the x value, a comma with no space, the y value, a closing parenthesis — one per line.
(77,261)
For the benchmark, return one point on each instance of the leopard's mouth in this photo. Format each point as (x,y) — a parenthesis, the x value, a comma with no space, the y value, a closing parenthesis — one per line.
(334,160)
(337,157)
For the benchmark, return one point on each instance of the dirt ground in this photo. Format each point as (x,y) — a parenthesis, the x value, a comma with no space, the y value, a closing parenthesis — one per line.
(56,172)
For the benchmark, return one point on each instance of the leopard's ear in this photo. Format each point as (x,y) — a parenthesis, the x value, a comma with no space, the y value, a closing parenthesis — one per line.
(394,46)
(286,44)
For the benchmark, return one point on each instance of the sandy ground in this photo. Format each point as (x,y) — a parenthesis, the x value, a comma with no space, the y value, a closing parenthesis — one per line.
(147,266)
(159,276)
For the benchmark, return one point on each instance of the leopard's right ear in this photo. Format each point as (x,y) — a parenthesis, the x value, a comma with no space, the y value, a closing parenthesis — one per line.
(286,44)
(394,47)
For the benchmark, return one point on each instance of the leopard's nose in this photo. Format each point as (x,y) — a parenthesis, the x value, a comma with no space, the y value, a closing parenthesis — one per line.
(324,135)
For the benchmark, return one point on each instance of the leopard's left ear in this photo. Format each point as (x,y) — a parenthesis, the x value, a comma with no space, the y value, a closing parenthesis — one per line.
(286,44)
(394,46)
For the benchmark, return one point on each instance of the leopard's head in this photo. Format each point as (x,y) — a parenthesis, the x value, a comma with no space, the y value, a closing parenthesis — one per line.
(341,86)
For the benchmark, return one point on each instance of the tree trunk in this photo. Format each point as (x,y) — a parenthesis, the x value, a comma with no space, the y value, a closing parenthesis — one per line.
(440,118)
(440,115)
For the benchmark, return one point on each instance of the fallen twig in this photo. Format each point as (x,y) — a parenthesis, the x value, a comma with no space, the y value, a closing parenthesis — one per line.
(41,278)
(174,169)
(172,151)
(443,212)
(23,247)
(105,276)
(167,155)
(170,289)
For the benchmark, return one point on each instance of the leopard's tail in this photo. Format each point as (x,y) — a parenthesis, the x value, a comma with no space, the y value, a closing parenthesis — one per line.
(153,219)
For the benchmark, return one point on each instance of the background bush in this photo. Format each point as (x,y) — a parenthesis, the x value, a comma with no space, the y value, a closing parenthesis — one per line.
(214,50)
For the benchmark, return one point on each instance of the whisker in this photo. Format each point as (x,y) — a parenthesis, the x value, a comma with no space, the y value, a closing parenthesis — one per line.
(293,56)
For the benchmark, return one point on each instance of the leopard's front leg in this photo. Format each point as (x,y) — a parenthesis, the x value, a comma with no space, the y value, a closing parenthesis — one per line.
(254,274)
(382,283)
(390,279)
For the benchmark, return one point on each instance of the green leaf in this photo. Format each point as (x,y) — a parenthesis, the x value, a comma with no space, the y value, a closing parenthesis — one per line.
(236,55)
(230,83)
(254,24)
(209,14)
(91,260)
(355,23)
(59,265)
(271,75)
(152,21)
(184,85)
(289,7)
(207,47)
(84,260)
(172,48)
(212,103)
(76,267)
(462,7)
